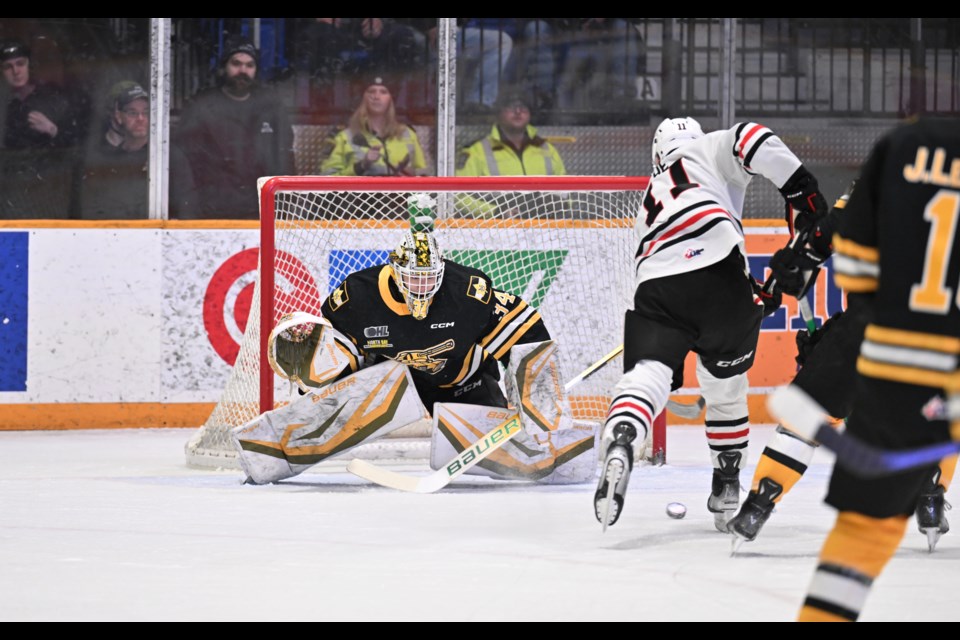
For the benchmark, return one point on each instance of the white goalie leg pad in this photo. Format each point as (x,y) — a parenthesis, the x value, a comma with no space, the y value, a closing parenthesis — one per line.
(638,398)
(329,422)
(727,417)
(535,387)
(564,456)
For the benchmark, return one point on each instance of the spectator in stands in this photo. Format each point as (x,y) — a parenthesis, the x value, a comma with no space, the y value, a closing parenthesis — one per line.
(327,47)
(231,135)
(40,130)
(512,147)
(374,143)
(38,115)
(485,47)
(114,181)
(601,64)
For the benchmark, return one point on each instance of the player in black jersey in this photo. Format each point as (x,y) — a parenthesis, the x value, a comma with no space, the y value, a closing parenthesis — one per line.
(898,259)
(447,329)
(828,359)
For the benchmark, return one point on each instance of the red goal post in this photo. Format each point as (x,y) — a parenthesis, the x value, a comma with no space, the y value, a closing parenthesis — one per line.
(563,243)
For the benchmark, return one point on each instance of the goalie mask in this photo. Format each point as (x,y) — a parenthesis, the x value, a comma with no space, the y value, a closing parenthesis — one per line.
(670,135)
(418,269)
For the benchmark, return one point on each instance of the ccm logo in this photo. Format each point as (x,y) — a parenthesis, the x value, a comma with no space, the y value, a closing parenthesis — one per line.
(733,363)
(441,325)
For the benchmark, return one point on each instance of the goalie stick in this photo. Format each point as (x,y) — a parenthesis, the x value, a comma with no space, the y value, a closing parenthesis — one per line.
(800,413)
(483,447)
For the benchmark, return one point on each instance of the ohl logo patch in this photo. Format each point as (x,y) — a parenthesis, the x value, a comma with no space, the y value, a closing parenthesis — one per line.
(229,296)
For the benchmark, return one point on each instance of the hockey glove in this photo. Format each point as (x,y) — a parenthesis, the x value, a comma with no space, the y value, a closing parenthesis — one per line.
(807,342)
(769,300)
(294,346)
(792,268)
(805,204)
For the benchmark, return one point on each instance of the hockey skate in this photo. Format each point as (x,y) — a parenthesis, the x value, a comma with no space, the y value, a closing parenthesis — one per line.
(754,513)
(608,499)
(725,493)
(931,511)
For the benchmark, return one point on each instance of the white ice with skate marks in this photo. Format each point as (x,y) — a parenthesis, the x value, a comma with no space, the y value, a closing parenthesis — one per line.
(111,525)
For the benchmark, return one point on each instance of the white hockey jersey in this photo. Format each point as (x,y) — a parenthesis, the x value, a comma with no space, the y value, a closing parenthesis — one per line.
(691,215)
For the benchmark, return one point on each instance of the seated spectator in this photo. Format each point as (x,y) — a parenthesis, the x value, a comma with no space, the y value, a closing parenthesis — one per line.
(485,47)
(512,147)
(232,135)
(114,181)
(374,143)
(602,62)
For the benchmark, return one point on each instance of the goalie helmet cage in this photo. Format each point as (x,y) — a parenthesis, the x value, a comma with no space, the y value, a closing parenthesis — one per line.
(564,244)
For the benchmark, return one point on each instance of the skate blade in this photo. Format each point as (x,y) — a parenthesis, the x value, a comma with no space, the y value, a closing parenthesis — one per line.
(720,520)
(933,537)
(612,476)
(735,544)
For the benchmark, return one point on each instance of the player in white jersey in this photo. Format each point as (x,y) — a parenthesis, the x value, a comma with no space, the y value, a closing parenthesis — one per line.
(695,293)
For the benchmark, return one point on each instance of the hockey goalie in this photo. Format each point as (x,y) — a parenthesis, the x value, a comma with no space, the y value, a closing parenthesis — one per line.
(417,338)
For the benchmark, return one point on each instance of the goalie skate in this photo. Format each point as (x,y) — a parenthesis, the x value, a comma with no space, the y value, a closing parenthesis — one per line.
(609,497)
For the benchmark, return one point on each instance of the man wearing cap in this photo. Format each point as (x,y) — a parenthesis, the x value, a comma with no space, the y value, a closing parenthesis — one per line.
(374,143)
(38,115)
(231,135)
(512,146)
(114,183)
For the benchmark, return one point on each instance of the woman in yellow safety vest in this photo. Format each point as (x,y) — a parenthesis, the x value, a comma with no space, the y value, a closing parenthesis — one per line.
(374,143)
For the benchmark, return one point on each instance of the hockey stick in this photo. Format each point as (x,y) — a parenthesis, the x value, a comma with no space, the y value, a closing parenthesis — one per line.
(800,413)
(681,409)
(483,447)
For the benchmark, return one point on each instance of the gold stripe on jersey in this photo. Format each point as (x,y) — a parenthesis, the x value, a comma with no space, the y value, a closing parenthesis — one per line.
(383,280)
(913,339)
(908,357)
(856,267)
(514,337)
(487,339)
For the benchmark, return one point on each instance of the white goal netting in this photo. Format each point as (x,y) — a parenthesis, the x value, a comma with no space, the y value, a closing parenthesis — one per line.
(563,244)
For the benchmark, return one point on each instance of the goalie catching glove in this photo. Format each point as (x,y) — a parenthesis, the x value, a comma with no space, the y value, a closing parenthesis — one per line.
(805,204)
(307,350)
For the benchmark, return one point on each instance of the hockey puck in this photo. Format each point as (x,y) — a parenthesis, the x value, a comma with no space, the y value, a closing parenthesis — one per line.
(676,510)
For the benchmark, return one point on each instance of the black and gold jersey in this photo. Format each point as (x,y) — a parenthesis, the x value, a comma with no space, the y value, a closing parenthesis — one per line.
(898,245)
(469,322)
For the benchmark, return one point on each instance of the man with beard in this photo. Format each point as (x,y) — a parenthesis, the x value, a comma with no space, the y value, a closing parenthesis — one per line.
(231,135)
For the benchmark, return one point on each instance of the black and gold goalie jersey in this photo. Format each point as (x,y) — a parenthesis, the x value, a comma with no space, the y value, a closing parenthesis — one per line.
(906,269)
(469,322)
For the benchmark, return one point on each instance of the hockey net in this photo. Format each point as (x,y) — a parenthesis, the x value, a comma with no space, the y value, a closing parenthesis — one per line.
(564,244)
